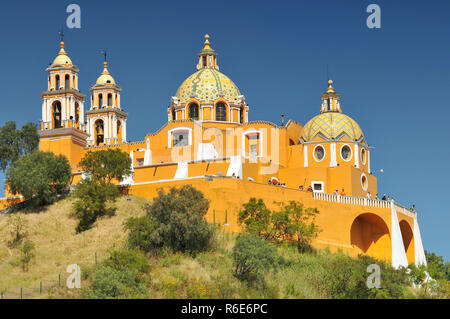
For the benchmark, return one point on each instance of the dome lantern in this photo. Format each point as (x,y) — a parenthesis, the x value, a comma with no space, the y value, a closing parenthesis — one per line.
(207,56)
(330,100)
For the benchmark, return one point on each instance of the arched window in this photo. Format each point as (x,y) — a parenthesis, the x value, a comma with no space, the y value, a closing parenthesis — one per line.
(57,82)
(174,115)
(57,123)
(66,82)
(74,86)
(110,99)
(119,131)
(193,111)
(100,101)
(99,132)
(241,115)
(77,116)
(221,112)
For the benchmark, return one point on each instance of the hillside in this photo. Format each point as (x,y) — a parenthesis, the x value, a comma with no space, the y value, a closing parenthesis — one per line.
(208,275)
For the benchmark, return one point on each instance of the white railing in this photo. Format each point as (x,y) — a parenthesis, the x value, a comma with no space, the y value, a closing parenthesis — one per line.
(352,200)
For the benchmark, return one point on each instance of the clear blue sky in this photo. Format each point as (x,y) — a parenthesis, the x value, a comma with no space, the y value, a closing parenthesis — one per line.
(394,81)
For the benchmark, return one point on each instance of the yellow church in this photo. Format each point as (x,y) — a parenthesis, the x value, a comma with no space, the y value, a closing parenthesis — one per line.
(209,142)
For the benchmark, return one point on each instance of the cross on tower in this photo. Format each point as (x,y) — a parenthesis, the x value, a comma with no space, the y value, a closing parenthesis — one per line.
(61,34)
(104,54)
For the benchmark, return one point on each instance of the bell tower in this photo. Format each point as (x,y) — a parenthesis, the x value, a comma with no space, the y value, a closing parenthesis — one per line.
(331,100)
(62,124)
(106,121)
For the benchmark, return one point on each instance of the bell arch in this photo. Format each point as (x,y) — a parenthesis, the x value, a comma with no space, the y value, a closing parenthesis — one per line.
(370,235)
(99,129)
(56,114)
(408,240)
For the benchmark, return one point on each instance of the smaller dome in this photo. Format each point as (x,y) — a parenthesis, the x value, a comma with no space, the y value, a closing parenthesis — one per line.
(332,125)
(62,57)
(105,77)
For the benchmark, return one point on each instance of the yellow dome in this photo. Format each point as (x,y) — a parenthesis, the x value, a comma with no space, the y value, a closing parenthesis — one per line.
(62,57)
(105,77)
(208,84)
(331,125)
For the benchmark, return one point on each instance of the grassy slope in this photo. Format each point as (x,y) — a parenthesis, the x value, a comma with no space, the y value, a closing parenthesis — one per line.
(209,275)
(57,245)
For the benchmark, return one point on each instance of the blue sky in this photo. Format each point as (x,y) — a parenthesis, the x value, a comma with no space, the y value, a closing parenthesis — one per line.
(394,81)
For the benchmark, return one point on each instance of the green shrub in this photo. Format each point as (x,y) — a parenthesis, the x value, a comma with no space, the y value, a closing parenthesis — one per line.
(130,259)
(176,221)
(108,282)
(252,257)
(27,254)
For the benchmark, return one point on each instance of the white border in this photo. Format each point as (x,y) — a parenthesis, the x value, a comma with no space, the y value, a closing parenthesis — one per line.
(351,153)
(324,153)
(253,131)
(176,129)
(363,158)
(318,182)
(367,181)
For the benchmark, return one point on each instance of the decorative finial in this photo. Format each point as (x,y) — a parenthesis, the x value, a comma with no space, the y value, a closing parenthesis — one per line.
(330,86)
(207,44)
(105,63)
(61,34)
(104,53)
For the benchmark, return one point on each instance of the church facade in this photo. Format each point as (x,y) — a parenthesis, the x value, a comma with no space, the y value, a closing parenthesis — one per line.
(209,142)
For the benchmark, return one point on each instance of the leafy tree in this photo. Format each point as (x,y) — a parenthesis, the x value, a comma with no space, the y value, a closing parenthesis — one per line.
(39,176)
(27,251)
(252,256)
(106,165)
(436,267)
(15,143)
(95,191)
(93,196)
(176,220)
(291,223)
(256,218)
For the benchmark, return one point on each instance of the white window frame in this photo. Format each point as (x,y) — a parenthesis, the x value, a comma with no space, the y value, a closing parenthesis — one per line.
(322,185)
(324,153)
(367,182)
(261,136)
(351,153)
(178,129)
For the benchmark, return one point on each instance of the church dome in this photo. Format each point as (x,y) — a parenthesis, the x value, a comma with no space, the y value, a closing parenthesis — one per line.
(332,125)
(105,77)
(208,84)
(62,58)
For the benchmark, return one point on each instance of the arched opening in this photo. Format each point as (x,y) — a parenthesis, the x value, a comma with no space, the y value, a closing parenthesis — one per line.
(408,240)
(57,82)
(221,112)
(174,115)
(100,101)
(77,115)
(74,86)
(119,131)
(67,82)
(56,118)
(241,115)
(99,132)
(110,99)
(370,234)
(193,111)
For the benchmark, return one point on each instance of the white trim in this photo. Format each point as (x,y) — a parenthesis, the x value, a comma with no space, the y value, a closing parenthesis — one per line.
(305,155)
(351,153)
(322,184)
(176,129)
(357,156)
(363,158)
(324,153)
(333,161)
(261,137)
(367,182)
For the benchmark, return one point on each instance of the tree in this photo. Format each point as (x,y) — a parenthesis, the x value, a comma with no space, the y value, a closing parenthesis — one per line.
(291,223)
(106,165)
(93,196)
(436,267)
(97,189)
(39,176)
(15,143)
(175,220)
(27,254)
(252,256)
(18,225)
